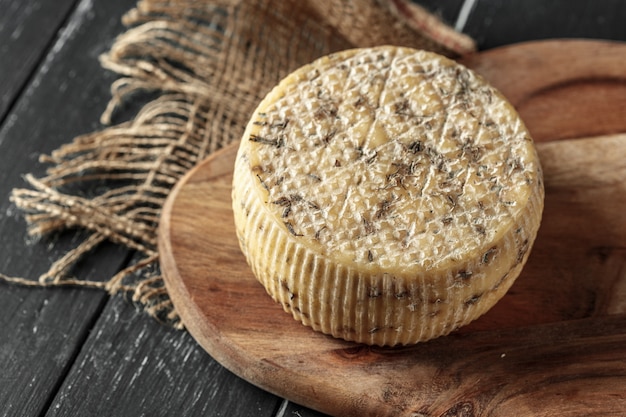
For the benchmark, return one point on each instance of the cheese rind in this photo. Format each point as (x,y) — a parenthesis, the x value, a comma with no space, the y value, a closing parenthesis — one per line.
(386,195)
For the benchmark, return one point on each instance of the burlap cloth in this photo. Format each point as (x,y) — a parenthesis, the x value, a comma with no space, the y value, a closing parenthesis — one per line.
(209,62)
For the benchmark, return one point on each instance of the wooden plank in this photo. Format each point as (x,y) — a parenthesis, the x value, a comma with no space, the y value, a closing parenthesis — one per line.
(42,330)
(41,333)
(133,366)
(295,410)
(26,29)
(448,11)
(501,22)
(86,90)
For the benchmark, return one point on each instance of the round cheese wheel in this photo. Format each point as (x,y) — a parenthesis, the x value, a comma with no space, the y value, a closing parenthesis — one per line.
(386,195)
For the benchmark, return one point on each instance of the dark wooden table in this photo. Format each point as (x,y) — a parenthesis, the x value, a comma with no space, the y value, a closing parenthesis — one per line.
(79,352)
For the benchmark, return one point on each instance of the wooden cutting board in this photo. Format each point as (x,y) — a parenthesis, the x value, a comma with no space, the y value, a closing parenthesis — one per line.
(555,345)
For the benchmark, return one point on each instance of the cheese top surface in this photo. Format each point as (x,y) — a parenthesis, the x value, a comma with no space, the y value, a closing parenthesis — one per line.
(390,158)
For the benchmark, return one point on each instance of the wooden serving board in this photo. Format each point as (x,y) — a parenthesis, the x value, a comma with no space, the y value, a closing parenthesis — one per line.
(555,345)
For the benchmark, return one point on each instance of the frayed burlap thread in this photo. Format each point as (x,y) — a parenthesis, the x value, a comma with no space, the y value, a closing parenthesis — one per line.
(208,63)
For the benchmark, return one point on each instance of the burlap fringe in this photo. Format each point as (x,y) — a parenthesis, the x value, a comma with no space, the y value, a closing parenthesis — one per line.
(209,62)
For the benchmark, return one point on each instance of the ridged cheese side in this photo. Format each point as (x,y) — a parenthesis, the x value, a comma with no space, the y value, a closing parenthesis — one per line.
(386,195)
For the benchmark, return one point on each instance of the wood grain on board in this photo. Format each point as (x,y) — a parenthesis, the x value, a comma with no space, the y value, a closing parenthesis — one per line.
(562,89)
(554,345)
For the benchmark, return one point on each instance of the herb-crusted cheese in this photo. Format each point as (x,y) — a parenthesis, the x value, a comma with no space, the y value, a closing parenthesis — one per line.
(386,195)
